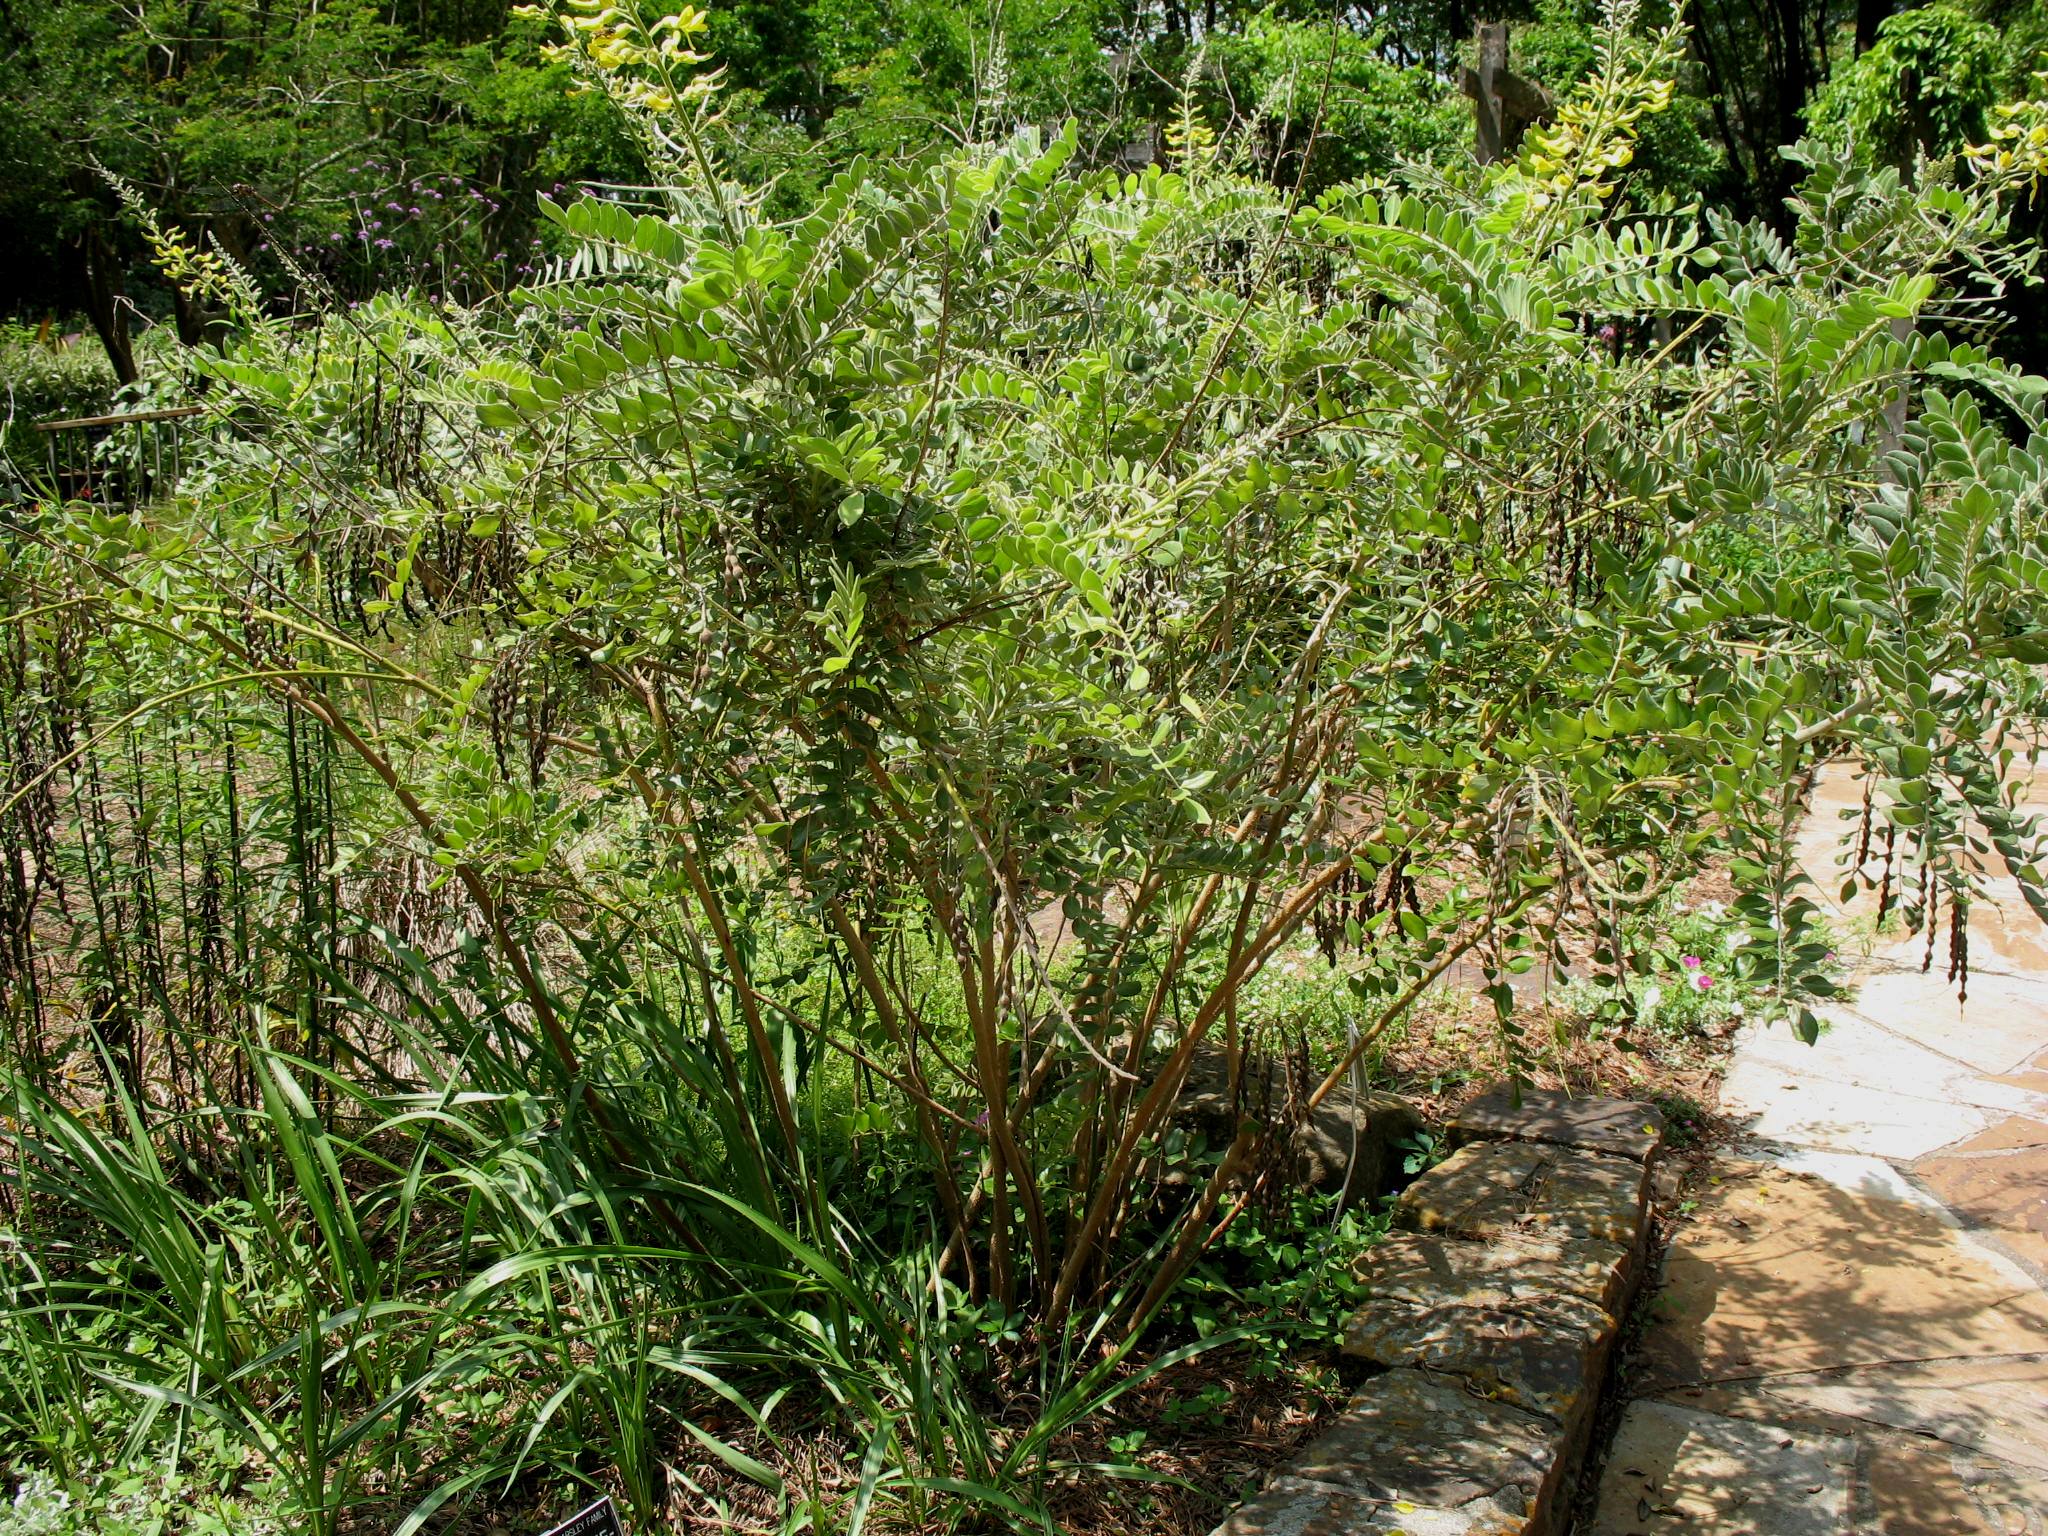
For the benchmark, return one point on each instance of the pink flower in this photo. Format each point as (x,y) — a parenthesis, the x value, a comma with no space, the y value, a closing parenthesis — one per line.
(1702,980)
(1690,962)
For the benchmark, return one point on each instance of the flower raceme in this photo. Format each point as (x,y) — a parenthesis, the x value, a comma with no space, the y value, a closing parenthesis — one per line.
(2016,150)
(649,66)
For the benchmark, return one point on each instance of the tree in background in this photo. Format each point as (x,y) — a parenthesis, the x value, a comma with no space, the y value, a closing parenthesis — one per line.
(330,143)
(358,148)
(1921,89)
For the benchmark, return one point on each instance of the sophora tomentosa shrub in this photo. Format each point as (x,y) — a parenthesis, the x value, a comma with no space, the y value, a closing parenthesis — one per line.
(878,686)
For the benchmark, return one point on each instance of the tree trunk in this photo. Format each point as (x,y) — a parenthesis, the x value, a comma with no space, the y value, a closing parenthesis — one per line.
(1870,14)
(106,305)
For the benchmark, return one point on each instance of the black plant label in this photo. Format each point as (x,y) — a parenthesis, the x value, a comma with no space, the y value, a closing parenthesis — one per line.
(599,1519)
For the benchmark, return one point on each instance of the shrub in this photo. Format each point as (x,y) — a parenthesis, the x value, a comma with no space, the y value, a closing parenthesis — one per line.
(780,747)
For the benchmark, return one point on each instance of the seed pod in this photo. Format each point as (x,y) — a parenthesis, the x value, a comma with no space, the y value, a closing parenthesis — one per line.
(1863,832)
(1959,947)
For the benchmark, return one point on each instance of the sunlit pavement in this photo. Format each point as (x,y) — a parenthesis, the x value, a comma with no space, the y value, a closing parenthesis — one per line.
(1850,1332)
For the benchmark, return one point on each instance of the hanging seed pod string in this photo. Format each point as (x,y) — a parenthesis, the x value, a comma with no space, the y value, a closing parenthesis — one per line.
(1959,945)
(1930,908)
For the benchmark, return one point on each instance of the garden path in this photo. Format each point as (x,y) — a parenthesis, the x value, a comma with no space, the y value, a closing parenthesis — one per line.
(1850,1330)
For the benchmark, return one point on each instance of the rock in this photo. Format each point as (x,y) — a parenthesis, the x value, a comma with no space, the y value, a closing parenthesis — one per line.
(1541,1355)
(1293,1506)
(1489,1326)
(1622,1127)
(1502,1188)
(1355,1137)
(1412,1437)
(1426,1269)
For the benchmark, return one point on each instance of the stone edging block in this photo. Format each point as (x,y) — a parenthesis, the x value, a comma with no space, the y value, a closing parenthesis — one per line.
(1623,1127)
(1491,1319)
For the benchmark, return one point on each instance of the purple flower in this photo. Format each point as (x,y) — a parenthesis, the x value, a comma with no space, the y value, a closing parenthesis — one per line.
(414,212)
(363,234)
(1608,333)
(335,236)
(385,245)
(263,245)
(1703,981)
(1690,962)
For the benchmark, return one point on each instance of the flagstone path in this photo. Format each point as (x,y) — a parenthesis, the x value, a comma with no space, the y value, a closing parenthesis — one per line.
(1850,1331)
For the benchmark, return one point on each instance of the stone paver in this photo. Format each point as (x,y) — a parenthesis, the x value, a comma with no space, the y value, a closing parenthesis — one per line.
(2003,1191)
(1850,1331)
(1987,1407)
(1782,1271)
(1677,1469)
(1918,1489)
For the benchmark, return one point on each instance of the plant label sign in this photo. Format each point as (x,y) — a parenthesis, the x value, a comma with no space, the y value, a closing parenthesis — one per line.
(599,1519)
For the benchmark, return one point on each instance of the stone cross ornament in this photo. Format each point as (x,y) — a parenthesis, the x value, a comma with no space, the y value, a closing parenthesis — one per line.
(1503,103)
